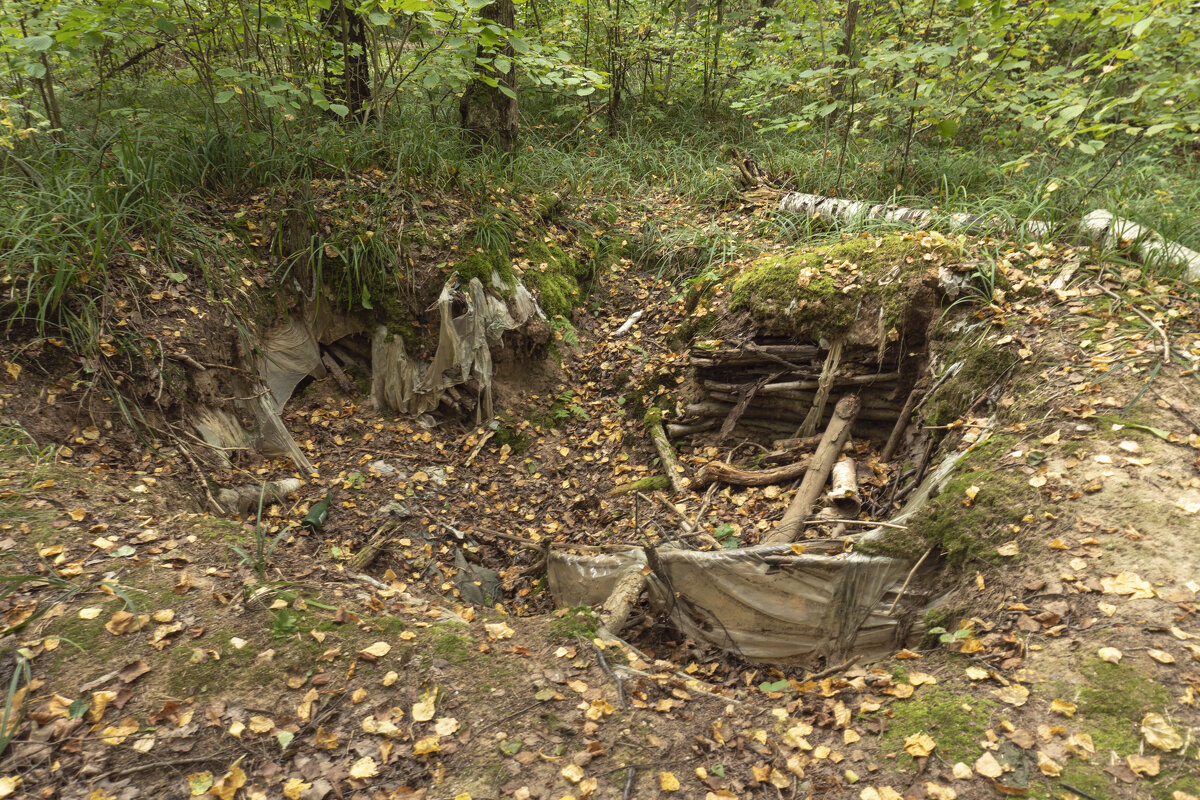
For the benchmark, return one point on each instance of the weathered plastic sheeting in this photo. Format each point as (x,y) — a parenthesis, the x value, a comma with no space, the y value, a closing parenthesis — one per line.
(221,431)
(764,603)
(289,354)
(767,603)
(463,355)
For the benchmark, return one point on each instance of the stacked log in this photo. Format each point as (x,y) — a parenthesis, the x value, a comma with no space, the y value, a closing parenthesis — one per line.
(782,380)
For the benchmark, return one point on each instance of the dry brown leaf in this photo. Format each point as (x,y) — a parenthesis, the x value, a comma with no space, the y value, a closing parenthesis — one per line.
(921,679)
(572,772)
(1009,549)
(1014,694)
(1129,583)
(977,673)
(935,791)
(230,782)
(1048,765)
(261,724)
(1161,656)
(1110,654)
(294,787)
(1160,734)
(962,771)
(498,630)
(377,650)
(1143,765)
(364,768)
(430,744)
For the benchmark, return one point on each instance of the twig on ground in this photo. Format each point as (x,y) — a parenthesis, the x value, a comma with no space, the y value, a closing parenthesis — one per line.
(1166,342)
(908,580)
(825,673)
(608,671)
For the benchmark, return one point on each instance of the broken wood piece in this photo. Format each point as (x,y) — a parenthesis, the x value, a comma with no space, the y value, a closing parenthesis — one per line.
(685,525)
(482,441)
(832,442)
(893,441)
(805,443)
(719,471)
(653,423)
(335,370)
(614,614)
(676,430)
(843,491)
(628,324)
(366,556)
(746,395)
(824,387)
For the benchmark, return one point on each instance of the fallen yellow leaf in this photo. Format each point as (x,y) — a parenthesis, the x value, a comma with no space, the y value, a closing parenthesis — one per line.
(919,745)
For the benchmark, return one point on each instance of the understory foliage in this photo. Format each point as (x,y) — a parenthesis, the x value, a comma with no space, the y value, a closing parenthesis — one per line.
(110,110)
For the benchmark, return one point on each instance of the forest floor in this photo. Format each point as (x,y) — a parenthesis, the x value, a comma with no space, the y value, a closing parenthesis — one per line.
(156,663)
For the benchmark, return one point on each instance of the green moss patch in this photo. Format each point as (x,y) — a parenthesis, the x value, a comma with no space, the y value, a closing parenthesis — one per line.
(962,528)
(823,292)
(982,365)
(955,721)
(561,279)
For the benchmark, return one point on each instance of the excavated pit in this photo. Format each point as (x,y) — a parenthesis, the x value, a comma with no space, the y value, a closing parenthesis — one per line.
(790,337)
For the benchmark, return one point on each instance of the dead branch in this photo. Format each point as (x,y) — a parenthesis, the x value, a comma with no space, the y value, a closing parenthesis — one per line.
(832,442)
(666,455)
(715,471)
(335,369)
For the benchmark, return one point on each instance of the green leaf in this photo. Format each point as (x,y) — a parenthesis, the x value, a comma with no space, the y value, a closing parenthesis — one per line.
(166,26)
(39,44)
(1071,112)
(274,22)
(1141,27)
(78,708)
(284,738)
(124,551)
(224,97)
(341,111)
(380,18)
(947,128)
(776,686)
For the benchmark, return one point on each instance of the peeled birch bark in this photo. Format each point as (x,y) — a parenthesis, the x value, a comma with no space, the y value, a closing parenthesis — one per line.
(843,491)
(815,205)
(616,609)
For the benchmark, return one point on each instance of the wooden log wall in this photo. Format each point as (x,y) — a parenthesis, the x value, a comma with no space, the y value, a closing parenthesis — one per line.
(783,377)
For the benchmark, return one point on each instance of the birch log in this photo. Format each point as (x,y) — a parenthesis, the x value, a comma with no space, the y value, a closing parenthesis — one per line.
(1100,225)
(1150,247)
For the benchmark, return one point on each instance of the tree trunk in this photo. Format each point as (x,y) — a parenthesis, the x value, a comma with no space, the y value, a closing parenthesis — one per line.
(347,69)
(489,114)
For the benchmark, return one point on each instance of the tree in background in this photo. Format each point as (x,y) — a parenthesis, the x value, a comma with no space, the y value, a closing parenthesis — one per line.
(489,103)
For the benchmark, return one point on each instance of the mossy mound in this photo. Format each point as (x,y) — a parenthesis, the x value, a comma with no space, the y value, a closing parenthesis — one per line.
(982,365)
(859,288)
(961,524)
(562,280)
